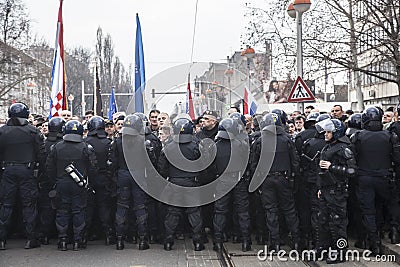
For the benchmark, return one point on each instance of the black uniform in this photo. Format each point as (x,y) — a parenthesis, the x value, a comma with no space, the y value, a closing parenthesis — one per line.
(239,193)
(309,158)
(304,189)
(102,183)
(258,212)
(276,190)
(46,184)
(156,209)
(190,150)
(21,147)
(376,151)
(71,198)
(332,213)
(129,194)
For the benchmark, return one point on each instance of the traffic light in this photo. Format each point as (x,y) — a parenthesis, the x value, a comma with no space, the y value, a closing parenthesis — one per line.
(153,93)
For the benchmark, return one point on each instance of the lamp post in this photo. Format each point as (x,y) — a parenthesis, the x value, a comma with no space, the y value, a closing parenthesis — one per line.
(249,54)
(71,98)
(229,74)
(296,10)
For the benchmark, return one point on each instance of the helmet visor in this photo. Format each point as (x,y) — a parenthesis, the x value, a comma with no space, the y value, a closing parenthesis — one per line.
(325,126)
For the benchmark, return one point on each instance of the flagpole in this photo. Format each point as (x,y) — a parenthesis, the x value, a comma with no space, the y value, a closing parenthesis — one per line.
(94,86)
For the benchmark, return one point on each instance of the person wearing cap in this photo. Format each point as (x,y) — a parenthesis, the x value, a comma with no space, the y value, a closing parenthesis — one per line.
(198,124)
(110,129)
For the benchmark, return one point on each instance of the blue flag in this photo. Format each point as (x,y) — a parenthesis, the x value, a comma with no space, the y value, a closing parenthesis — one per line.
(113,106)
(140,78)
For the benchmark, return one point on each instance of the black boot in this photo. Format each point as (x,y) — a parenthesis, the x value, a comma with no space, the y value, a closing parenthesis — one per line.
(246,245)
(120,243)
(143,243)
(32,243)
(153,239)
(2,245)
(62,244)
(44,240)
(274,249)
(75,246)
(168,245)
(394,235)
(218,247)
(198,246)
(361,243)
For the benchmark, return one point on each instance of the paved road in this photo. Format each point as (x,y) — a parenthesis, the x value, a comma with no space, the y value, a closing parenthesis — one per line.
(183,254)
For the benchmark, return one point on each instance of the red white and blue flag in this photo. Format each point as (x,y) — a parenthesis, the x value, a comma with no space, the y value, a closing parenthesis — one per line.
(249,103)
(58,101)
(189,101)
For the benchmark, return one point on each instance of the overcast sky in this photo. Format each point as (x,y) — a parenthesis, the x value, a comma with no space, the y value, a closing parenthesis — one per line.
(167,27)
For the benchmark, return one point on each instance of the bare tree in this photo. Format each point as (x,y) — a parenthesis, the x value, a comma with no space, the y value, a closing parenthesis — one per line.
(14,22)
(360,36)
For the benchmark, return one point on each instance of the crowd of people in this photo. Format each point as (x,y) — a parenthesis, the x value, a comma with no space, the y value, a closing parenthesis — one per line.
(319,176)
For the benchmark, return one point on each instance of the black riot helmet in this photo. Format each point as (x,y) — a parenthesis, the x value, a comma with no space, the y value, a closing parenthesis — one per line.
(133,125)
(73,127)
(323,117)
(96,123)
(311,118)
(18,110)
(56,125)
(239,117)
(371,114)
(183,126)
(270,119)
(228,128)
(282,115)
(354,121)
(143,117)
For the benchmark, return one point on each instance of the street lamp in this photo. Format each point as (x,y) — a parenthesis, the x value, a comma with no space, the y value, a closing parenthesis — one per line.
(229,74)
(296,10)
(249,54)
(71,98)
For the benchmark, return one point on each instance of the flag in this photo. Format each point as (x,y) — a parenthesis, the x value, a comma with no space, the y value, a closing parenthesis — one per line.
(249,101)
(97,102)
(189,101)
(140,78)
(113,106)
(58,100)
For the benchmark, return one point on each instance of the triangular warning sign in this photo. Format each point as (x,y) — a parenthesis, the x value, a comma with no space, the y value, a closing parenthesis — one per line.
(300,92)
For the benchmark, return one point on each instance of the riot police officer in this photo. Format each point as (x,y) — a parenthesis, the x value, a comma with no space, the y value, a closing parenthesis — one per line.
(129,194)
(353,124)
(21,148)
(46,183)
(375,177)
(102,183)
(309,144)
(184,129)
(71,161)
(156,210)
(258,215)
(231,166)
(337,164)
(277,187)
